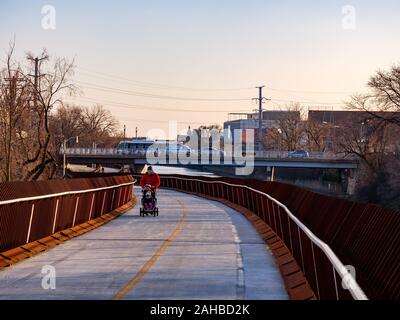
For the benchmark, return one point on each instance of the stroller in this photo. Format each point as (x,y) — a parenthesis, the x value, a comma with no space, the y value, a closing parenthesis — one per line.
(149,202)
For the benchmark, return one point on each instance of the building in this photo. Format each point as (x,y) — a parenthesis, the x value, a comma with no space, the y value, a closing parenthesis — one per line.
(271,120)
(338,120)
(344,117)
(337,117)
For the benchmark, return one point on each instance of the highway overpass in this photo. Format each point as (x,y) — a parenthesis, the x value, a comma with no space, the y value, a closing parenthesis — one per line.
(107,157)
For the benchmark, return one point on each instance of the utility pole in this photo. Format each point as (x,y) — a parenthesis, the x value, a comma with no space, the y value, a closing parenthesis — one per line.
(260,100)
(37,75)
(124,132)
(136,131)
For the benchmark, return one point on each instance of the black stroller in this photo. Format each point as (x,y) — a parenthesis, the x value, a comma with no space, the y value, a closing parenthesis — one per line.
(149,202)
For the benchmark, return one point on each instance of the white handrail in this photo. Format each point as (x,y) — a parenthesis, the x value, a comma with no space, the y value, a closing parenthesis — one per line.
(355,290)
(60,194)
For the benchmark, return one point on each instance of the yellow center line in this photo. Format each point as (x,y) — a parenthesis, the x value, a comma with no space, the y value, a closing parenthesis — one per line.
(136,279)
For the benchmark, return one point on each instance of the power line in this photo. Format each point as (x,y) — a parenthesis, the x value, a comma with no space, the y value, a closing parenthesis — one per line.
(153,96)
(166,121)
(156,96)
(158,85)
(155,85)
(309,103)
(135,106)
(310,92)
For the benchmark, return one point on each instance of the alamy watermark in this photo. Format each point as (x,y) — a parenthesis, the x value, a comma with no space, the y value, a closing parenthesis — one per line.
(349,19)
(205,147)
(49,17)
(49,277)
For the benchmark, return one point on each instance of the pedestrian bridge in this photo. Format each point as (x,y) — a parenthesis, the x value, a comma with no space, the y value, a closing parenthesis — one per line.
(195,249)
(214,239)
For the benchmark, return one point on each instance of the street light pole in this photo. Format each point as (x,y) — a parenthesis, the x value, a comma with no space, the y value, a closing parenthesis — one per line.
(65,153)
(64,156)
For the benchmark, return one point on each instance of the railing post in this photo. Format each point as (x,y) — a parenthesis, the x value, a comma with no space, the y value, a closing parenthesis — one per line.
(55,216)
(301,250)
(260,206)
(112,201)
(237,197)
(233,190)
(315,270)
(256,203)
(262,199)
(102,205)
(334,279)
(228,193)
(273,223)
(124,196)
(76,209)
(248,200)
(91,206)
(30,223)
(290,234)
(280,224)
(119,197)
(269,212)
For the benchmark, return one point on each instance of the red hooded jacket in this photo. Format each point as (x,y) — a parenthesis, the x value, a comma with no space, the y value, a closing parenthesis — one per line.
(153,180)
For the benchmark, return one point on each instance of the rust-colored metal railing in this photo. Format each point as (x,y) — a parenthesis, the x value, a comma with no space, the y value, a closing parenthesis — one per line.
(328,266)
(30,211)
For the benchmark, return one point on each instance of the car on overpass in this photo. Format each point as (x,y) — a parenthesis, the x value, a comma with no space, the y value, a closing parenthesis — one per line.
(135,146)
(298,154)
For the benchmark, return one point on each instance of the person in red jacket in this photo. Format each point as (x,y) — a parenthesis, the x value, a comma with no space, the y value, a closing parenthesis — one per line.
(150,178)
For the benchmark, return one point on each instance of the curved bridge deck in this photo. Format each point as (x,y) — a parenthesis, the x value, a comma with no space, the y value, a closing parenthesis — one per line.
(195,249)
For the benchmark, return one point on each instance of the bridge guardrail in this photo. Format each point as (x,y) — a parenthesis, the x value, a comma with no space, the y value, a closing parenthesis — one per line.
(30,211)
(326,274)
(272,154)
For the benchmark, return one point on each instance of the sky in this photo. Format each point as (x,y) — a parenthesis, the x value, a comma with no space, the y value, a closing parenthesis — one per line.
(194,61)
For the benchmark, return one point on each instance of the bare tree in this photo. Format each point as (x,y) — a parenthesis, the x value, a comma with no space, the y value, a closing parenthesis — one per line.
(316,135)
(34,122)
(373,139)
(383,102)
(92,124)
(48,92)
(372,143)
(100,126)
(367,141)
(66,122)
(290,131)
(14,98)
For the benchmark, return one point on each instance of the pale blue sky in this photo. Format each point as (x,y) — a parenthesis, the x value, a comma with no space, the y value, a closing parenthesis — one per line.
(290,45)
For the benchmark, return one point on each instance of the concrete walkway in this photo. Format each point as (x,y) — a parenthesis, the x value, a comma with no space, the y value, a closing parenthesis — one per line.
(195,249)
